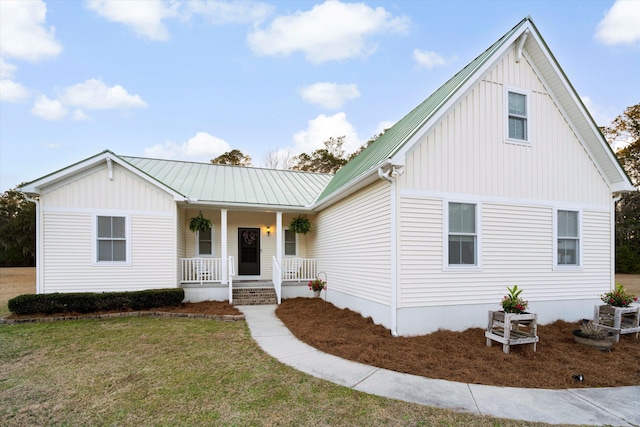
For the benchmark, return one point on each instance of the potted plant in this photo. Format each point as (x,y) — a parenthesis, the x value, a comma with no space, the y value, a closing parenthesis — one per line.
(618,297)
(593,335)
(199,223)
(300,224)
(317,285)
(512,302)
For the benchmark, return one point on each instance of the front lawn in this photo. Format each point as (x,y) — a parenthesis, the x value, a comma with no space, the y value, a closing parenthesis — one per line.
(167,371)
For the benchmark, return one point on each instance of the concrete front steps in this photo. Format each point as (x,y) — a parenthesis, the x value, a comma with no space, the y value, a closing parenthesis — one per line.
(254,295)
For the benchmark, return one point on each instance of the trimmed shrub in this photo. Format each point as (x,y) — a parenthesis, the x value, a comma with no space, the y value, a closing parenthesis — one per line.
(89,302)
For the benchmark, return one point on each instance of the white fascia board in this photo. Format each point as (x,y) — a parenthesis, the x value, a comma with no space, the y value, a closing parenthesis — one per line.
(199,204)
(351,187)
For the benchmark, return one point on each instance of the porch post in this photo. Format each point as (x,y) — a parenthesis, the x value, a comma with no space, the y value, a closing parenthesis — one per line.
(279,238)
(223,246)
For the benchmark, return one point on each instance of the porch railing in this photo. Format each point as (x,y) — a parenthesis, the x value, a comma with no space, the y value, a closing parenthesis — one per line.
(206,270)
(299,269)
(277,279)
(200,270)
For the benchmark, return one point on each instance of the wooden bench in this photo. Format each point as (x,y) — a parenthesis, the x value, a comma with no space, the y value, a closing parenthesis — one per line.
(512,329)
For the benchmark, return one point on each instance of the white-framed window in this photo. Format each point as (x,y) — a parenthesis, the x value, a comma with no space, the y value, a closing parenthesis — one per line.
(112,241)
(517,107)
(290,242)
(205,242)
(568,238)
(462,234)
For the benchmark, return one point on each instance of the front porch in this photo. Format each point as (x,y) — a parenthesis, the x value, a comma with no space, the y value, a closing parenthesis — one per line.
(214,279)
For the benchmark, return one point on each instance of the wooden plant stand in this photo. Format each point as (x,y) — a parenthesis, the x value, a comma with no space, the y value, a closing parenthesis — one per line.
(512,329)
(619,320)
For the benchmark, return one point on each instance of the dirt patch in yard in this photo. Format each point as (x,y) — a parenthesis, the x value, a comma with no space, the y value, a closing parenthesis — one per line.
(463,356)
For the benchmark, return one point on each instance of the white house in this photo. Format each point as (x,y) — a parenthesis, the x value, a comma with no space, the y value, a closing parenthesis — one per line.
(500,177)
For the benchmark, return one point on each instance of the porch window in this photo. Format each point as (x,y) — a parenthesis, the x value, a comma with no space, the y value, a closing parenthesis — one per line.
(205,242)
(111,242)
(290,243)
(518,122)
(568,238)
(463,237)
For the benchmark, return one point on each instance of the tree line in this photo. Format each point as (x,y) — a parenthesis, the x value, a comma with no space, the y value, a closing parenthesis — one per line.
(17,214)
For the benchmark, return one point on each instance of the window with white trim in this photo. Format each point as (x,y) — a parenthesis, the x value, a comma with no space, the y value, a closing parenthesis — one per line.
(518,120)
(463,236)
(205,242)
(290,243)
(111,236)
(568,238)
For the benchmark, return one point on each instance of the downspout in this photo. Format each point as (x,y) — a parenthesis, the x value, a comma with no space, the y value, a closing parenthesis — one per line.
(394,249)
(616,199)
(39,248)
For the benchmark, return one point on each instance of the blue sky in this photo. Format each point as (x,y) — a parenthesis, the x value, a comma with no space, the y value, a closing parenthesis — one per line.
(190,80)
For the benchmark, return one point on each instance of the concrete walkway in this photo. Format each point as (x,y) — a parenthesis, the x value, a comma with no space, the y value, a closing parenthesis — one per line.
(605,406)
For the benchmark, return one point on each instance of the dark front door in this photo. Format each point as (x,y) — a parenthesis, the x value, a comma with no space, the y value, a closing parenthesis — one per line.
(248,251)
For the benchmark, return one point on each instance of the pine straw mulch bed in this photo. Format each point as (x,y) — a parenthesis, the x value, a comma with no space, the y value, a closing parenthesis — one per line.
(464,356)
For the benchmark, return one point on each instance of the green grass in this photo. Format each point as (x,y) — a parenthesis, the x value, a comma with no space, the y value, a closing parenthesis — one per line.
(172,372)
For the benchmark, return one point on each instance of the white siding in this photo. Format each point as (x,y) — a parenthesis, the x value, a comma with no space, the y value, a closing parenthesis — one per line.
(517,248)
(69,211)
(68,249)
(352,241)
(466,151)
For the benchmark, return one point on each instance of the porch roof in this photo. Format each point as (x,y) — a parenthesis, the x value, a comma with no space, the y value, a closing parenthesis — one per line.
(212,183)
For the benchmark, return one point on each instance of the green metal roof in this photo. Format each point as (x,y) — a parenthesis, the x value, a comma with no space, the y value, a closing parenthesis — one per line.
(399,134)
(212,183)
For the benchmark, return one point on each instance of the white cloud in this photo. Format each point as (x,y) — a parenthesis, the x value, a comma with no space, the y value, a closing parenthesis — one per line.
(48,109)
(93,94)
(7,71)
(143,17)
(222,12)
(22,31)
(621,24)
(429,60)
(11,91)
(202,147)
(321,129)
(79,115)
(603,116)
(329,95)
(330,31)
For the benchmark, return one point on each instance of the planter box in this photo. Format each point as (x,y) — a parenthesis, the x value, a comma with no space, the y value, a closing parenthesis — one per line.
(512,329)
(619,320)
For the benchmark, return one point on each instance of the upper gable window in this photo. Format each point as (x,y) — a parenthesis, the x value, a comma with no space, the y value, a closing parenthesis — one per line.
(518,117)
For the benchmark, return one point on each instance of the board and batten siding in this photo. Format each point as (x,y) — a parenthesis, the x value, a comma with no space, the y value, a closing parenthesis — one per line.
(69,210)
(352,241)
(517,244)
(94,190)
(466,151)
